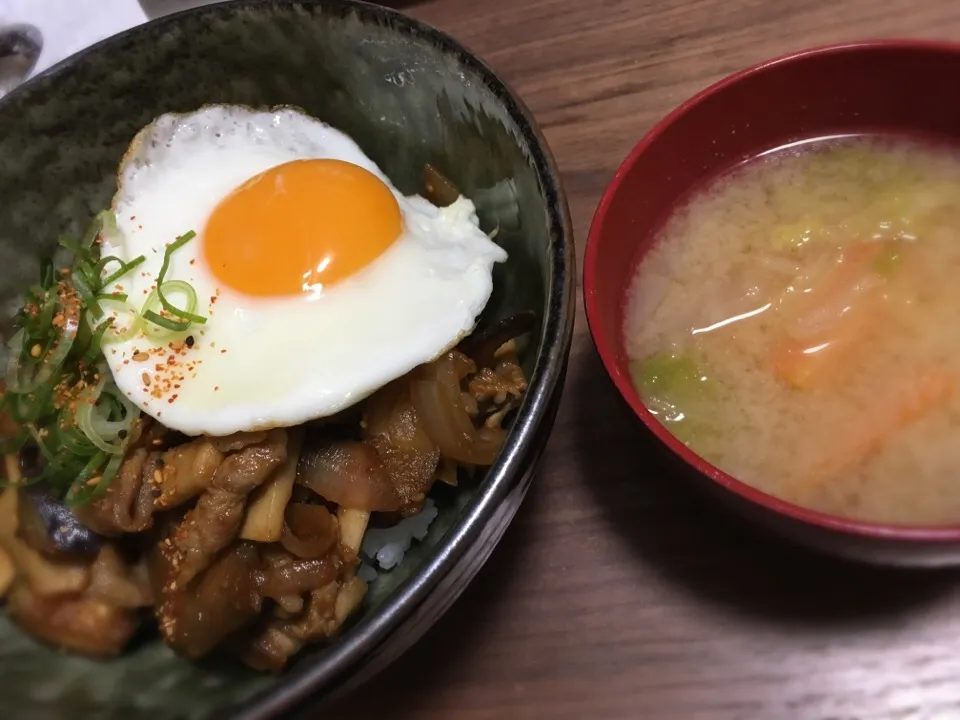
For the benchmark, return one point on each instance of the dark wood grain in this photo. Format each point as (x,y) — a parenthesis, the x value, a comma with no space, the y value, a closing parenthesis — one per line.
(619,593)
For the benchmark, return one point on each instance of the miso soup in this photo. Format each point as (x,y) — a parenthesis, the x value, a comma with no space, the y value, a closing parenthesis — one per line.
(798,325)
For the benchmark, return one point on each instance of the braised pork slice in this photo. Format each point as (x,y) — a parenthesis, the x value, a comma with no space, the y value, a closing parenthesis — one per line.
(325,610)
(215,521)
(195,618)
(128,504)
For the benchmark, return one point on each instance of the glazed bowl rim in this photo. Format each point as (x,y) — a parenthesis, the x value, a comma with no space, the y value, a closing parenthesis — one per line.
(605,345)
(524,440)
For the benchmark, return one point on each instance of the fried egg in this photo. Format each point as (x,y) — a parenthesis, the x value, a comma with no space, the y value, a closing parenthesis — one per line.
(319,281)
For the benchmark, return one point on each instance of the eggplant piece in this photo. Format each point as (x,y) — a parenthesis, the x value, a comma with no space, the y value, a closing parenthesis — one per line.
(49,526)
(481,346)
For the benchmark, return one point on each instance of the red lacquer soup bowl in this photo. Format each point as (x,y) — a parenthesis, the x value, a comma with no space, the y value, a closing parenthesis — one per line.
(897,86)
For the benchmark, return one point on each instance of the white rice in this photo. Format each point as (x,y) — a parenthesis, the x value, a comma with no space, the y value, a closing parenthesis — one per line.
(384,548)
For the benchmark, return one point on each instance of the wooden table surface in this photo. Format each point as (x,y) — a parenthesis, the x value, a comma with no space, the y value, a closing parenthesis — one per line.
(618,592)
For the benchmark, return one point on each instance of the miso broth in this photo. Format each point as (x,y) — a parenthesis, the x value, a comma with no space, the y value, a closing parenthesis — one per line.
(798,324)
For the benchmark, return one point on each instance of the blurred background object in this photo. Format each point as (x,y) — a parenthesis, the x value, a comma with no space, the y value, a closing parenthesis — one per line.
(20,47)
(68,26)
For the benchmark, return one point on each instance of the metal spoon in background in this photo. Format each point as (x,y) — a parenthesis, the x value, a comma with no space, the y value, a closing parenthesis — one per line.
(20,47)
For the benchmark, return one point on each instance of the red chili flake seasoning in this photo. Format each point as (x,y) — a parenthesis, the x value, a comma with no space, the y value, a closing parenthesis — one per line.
(173,398)
(216,387)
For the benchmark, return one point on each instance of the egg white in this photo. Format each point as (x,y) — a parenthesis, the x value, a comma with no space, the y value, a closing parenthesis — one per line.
(260,363)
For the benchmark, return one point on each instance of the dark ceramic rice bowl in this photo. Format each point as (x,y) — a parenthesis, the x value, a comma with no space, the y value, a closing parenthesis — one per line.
(408,95)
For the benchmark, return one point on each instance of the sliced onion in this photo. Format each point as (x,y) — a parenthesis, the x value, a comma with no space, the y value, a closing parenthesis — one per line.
(310,531)
(350,474)
(436,395)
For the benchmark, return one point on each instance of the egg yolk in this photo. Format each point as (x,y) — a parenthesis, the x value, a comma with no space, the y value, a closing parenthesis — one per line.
(299,227)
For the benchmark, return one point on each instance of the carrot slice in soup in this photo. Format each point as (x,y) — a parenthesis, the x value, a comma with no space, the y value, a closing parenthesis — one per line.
(927,390)
(821,325)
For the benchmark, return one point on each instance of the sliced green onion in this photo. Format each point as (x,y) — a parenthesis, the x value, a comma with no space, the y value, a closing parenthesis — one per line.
(116,297)
(84,422)
(187,314)
(44,450)
(117,337)
(29,407)
(124,269)
(88,439)
(87,297)
(45,318)
(116,405)
(73,441)
(107,220)
(19,379)
(53,362)
(70,244)
(171,324)
(93,349)
(166,323)
(94,408)
(14,382)
(81,493)
(47,274)
(93,229)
